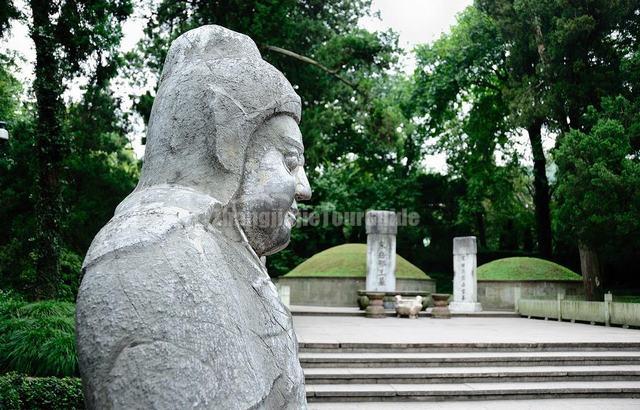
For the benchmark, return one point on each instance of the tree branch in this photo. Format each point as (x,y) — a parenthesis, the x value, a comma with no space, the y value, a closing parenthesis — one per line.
(313,62)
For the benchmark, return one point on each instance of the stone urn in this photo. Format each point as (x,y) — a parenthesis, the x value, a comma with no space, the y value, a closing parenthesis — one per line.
(363,300)
(441,306)
(408,307)
(375,309)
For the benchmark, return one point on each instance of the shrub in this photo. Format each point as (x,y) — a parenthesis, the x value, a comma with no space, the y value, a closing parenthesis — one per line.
(10,385)
(38,338)
(21,392)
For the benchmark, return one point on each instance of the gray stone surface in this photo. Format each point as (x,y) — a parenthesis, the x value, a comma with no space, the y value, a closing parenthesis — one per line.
(176,309)
(381,251)
(502,294)
(479,331)
(341,292)
(548,404)
(472,391)
(465,284)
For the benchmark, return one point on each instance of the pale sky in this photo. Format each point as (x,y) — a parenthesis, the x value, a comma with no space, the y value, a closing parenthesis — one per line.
(416,22)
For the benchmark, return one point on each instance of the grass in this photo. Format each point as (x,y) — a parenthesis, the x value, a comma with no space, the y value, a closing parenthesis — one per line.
(521,268)
(37,339)
(626,298)
(349,261)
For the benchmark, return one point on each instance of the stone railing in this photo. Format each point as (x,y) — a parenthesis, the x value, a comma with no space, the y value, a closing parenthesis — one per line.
(607,312)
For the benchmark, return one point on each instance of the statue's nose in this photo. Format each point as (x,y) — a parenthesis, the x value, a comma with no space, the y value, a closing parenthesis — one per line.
(303,189)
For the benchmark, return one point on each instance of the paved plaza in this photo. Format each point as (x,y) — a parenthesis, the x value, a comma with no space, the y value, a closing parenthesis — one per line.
(336,329)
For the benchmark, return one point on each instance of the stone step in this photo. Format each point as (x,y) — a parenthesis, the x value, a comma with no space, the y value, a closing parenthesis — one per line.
(314,347)
(466,359)
(451,375)
(506,404)
(470,391)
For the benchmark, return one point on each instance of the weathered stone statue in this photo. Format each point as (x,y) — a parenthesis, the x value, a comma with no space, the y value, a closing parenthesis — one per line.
(176,309)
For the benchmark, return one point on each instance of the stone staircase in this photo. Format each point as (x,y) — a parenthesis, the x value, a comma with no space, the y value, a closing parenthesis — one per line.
(360,372)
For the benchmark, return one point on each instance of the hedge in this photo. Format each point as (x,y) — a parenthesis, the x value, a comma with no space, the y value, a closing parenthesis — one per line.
(19,392)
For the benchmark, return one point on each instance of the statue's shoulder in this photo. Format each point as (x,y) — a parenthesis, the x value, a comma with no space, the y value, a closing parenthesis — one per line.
(147,217)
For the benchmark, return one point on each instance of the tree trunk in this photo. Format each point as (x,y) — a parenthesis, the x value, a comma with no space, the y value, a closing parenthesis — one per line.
(591,272)
(482,230)
(541,196)
(49,151)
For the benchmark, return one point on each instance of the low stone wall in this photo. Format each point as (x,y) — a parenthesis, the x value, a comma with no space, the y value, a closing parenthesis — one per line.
(606,312)
(500,295)
(341,291)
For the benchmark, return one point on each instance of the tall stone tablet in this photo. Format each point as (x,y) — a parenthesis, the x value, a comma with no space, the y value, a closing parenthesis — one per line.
(381,228)
(465,283)
(176,309)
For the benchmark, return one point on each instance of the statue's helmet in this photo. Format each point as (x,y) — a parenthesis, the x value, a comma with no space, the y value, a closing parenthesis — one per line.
(215,91)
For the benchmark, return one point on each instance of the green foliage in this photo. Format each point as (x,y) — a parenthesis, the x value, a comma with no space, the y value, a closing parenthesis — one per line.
(70,265)
(34,393)
(349,261)
(626,298)
(458,92)
(70,38)
(97,168)
(8,12)
(599,172)
(10,89)
(10,391)
(520,268)
(38,338)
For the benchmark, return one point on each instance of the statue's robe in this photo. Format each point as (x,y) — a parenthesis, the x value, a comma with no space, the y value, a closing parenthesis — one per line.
(176,311)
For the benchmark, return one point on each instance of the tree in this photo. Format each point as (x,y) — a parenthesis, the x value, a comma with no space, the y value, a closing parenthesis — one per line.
(564,56)
(16,179)
(66,35)
(598,199)
(523,54)
(459,97)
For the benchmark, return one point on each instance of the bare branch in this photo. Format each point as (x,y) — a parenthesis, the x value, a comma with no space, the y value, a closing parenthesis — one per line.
(313,62)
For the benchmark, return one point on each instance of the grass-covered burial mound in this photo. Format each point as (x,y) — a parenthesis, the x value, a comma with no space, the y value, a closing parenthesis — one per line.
(525,269)
(501,280)
(349,261)
(334,276)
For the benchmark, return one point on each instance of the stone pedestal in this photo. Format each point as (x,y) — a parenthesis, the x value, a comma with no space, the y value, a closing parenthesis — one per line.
(465,282)
(381,251)
(375,309)
(441,306)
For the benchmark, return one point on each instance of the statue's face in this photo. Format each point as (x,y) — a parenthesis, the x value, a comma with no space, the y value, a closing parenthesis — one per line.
(273,181)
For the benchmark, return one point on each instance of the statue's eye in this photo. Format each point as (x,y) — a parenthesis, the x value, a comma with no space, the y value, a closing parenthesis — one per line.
(291,161)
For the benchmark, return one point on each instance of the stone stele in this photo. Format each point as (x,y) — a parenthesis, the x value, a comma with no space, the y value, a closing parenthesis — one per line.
(176,309)
(465,281)
(381,251)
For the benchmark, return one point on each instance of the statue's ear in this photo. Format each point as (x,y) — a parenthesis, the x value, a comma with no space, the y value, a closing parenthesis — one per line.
(232,129)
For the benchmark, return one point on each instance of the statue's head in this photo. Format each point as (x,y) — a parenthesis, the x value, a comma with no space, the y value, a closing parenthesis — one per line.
(225,123)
